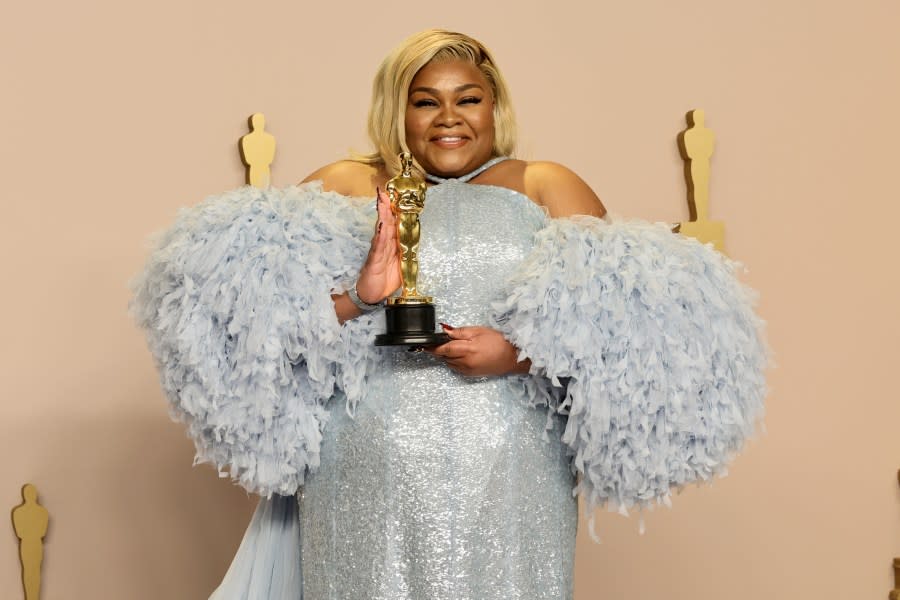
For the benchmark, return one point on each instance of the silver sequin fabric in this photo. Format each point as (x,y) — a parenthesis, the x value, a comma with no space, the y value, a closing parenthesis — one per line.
(441,486)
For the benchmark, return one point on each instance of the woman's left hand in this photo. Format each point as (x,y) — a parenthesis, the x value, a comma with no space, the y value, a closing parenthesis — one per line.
(478,352)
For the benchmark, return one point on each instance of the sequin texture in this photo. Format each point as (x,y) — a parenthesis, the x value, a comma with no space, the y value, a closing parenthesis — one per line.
(440,486)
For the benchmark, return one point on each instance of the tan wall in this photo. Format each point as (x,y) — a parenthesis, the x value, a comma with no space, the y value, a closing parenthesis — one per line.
(116,113)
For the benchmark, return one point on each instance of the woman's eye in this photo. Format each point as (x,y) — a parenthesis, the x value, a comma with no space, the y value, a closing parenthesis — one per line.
(424,102)
(470,100)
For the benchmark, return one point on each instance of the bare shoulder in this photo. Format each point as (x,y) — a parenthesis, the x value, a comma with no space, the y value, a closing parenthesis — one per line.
(349,178)
(560,190)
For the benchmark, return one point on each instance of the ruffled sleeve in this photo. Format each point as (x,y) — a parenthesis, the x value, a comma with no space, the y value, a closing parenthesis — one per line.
(236,303)
(651,346)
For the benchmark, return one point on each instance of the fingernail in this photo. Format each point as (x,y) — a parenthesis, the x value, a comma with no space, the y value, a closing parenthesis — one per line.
(447,327)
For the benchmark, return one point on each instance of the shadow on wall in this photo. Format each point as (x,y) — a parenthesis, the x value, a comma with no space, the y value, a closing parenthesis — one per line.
(130,517)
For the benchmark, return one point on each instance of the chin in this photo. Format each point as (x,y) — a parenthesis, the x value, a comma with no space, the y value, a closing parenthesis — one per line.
(453,165)
(447,170)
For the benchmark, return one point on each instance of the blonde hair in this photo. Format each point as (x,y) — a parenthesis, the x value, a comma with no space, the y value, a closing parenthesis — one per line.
(390,91)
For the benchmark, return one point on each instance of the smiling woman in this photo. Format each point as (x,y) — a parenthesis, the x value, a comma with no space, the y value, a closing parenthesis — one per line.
(450,118)
(446,474)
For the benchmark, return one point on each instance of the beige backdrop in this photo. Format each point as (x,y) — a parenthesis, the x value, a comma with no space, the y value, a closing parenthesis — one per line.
(117,113)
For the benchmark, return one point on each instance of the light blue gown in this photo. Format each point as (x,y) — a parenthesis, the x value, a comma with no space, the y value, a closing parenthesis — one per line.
(443,486)
(647,358)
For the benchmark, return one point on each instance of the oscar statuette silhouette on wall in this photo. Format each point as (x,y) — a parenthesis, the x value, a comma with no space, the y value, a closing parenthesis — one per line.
(696,144)
(30,521)
(258,151)
(895,593)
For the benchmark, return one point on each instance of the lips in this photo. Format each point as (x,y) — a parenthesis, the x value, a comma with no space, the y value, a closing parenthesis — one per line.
(449,141)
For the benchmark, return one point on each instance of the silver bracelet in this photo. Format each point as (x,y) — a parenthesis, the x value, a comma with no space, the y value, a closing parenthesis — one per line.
(361,304)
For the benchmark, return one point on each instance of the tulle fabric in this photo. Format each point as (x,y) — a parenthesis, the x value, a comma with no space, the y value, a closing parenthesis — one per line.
(650,344)
(236,303)
(267,564)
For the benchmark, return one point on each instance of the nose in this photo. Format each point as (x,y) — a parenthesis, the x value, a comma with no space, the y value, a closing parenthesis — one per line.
(447,116)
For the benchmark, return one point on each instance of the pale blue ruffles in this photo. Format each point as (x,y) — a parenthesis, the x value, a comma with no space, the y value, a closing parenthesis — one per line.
(659,347)
(236,303)
(656,337)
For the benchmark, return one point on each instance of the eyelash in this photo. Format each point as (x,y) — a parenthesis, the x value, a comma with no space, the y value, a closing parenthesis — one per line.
(428,102)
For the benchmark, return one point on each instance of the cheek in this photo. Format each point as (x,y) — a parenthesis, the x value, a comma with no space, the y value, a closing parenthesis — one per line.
(486,120)
(414,127)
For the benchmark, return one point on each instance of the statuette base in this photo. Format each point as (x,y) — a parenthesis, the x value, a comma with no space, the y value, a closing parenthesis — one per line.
(410,324)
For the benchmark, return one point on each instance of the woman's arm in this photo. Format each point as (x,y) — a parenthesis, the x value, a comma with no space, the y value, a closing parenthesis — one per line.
(380,275)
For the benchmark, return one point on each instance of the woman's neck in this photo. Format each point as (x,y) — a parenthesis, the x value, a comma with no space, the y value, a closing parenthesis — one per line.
(468,176)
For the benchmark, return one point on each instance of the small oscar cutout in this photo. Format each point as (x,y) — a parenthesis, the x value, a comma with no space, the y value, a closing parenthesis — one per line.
(30,521)
(696,144)
(258,152)
(895,593)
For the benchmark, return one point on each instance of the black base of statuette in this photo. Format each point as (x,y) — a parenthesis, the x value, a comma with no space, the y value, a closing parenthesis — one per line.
(410,325)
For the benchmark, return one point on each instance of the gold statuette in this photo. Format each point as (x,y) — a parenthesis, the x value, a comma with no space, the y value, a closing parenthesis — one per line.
(407,194)
(410,316)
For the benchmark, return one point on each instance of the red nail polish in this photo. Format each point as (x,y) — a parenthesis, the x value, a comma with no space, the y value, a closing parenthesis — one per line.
(447,327)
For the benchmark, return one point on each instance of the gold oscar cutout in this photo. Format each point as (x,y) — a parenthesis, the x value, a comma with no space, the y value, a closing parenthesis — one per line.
(407,195)
(895,593)
(696,144)
(30,521)
(258,152)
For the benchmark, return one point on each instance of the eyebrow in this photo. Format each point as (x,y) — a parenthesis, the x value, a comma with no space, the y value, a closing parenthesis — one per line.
(435,92)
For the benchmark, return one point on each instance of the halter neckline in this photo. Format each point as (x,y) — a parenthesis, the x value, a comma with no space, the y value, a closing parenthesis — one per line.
(469,175)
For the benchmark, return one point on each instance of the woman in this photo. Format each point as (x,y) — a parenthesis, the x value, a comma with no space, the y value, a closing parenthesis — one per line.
(425,508)
(443,474)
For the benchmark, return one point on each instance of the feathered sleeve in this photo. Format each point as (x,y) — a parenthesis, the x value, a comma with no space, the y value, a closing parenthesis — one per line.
(235,300)
(663,354)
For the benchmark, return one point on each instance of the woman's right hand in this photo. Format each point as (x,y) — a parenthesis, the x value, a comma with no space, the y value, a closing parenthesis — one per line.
(380,275)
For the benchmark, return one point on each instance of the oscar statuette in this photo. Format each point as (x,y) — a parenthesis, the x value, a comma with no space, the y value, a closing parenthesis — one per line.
(410,316)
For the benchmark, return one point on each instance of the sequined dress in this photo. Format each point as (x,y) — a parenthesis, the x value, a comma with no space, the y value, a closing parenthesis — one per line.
(440,486)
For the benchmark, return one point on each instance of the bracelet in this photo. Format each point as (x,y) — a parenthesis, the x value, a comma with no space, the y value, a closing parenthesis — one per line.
(361,304)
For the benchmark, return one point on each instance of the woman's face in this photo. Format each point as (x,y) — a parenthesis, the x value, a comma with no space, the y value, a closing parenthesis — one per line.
(450,118)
